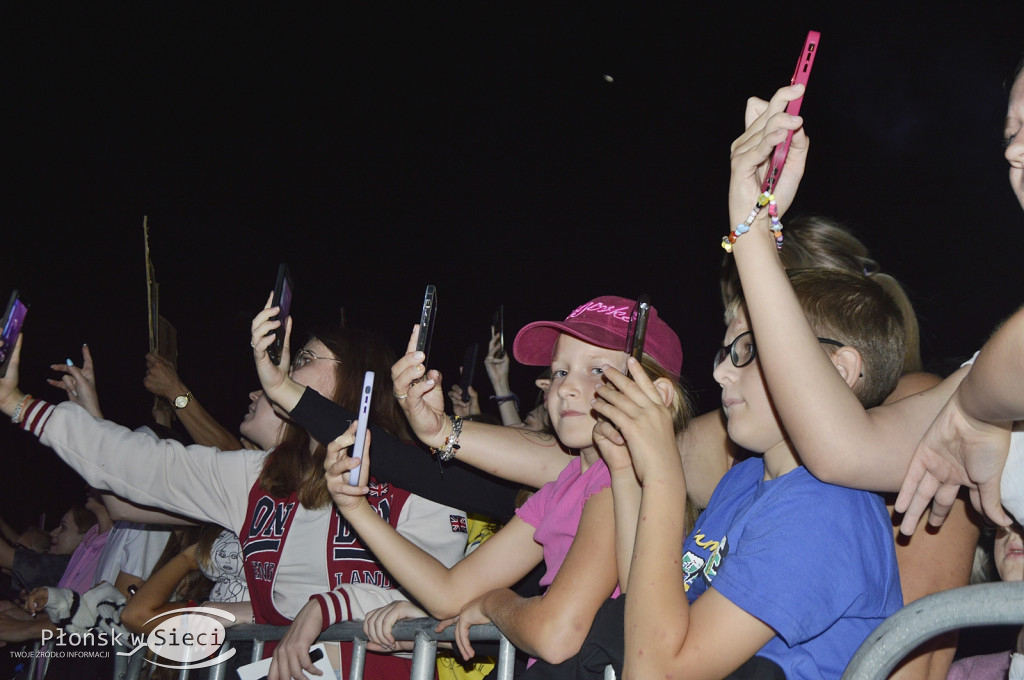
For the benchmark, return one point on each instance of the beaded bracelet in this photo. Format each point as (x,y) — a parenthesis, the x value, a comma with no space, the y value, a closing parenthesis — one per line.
(446,451)
(764,199)
(16,416)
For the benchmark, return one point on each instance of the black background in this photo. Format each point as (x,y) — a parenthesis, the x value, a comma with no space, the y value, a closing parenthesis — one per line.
(481,147)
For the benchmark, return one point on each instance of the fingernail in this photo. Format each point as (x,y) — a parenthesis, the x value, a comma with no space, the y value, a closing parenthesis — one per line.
(430,381)
(69,362)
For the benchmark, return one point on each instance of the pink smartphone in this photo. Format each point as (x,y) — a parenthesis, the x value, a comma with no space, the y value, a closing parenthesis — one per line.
(800,75)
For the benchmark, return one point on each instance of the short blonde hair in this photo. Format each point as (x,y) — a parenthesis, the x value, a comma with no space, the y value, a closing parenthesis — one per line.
(815,241)
(857,312)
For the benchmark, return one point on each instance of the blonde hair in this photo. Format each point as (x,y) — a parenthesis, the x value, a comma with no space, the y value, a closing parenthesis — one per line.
(857,312)
(819,242)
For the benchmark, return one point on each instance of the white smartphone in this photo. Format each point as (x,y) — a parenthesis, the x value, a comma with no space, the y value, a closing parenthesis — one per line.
(364,419)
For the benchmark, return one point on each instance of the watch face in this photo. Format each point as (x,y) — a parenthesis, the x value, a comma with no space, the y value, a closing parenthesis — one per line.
(181,401)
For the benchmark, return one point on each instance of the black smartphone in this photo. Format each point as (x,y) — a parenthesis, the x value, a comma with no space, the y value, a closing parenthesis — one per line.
(468,370)
(638,327)
(427,320)
(498,321)
(14,317)
(282,299)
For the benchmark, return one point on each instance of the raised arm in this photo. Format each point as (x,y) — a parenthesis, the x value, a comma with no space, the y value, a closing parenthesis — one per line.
(528,458)
(838,440)
(501,561)
(79,383)
(162,380)
(520,456)
(664,633)
(497,370)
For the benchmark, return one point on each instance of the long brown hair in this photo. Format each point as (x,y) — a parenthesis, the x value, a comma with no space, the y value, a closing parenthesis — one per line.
(290,467)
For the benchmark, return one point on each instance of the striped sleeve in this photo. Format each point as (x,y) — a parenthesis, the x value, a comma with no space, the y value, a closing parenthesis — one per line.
(35,416)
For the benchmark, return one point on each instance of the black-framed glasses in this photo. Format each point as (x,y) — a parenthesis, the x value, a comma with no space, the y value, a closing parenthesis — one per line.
(304,356)
(742,350)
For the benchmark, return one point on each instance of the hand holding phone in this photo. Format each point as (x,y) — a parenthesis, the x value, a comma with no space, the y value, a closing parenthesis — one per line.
(498,326)
(13,319)
(282,299)
(638,327)
(427,314)
(363,420)
(801,75)
(468,370)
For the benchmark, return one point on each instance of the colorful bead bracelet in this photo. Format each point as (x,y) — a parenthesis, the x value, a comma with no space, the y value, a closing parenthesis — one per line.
(776,226)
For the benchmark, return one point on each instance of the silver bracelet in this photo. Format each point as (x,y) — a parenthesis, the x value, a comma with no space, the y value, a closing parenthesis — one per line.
(446,451)
(16,416)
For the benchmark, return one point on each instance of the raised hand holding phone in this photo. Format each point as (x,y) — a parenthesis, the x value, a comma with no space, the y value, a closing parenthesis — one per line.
(362,421)
(427,313)
(638,327)
(770,129)
(283,300)
(419,393)
(14,317)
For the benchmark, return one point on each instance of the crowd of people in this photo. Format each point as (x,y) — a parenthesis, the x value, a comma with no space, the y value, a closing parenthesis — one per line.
(607,525)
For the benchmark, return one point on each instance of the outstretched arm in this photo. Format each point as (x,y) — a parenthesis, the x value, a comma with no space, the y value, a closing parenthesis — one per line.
(153,598)
(528,458)
(969,441)
(162,380)
(499,562)
(553,626)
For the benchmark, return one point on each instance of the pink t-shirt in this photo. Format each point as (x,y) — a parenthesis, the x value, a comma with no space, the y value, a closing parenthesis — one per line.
(80,575)
(555,511)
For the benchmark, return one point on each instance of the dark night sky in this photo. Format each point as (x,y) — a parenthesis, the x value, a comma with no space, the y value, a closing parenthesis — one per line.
(478,147)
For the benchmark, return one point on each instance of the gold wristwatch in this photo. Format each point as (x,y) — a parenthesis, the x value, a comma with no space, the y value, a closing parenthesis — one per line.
(182,400)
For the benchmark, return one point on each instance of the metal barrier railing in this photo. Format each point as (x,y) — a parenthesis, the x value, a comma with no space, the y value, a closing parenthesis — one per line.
(420,631)
(987,604)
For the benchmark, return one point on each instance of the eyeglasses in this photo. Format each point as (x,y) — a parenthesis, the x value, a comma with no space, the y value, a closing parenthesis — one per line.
(742,350)
(304,356)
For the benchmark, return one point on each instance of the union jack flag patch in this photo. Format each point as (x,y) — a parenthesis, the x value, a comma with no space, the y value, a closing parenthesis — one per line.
(458,524)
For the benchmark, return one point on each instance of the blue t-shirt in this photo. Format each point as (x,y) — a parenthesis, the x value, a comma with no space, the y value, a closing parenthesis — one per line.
(814,561)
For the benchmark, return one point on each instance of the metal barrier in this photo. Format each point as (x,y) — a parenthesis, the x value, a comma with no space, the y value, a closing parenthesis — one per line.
(986,604)
(421,631)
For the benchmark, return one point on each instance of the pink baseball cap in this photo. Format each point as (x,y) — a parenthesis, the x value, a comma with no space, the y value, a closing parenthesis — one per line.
(604,322)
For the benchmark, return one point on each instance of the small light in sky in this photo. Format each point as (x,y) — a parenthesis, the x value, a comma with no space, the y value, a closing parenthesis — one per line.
(608,78)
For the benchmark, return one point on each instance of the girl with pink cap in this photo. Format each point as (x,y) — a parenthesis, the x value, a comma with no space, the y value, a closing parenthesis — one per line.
(568,523)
